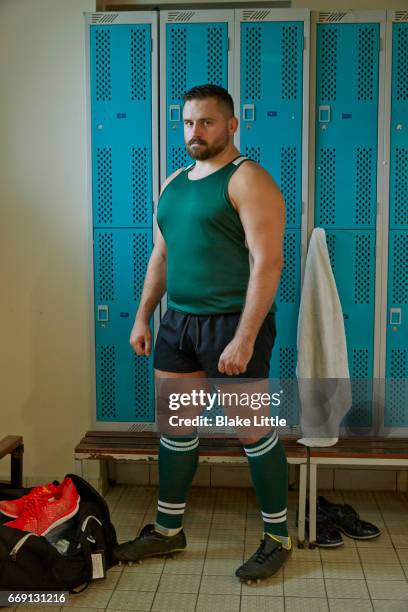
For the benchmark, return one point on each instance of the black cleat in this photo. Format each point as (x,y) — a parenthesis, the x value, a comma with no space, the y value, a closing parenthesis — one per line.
(345,518)
(266,562)
(149,543)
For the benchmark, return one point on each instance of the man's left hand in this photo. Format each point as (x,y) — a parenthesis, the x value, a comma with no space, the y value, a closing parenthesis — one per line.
(235,357)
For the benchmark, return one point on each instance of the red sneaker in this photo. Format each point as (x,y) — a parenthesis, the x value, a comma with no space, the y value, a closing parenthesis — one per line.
(13,508)
(40,516)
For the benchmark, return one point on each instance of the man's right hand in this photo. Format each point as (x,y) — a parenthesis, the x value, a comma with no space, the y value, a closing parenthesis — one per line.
(141,338)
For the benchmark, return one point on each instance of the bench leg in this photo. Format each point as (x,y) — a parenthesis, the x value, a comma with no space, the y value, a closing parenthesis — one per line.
(312,504)
(16,468)
(79,467)
(302,504)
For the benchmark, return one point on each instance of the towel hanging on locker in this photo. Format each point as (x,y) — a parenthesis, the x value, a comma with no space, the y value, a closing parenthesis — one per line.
(322,368)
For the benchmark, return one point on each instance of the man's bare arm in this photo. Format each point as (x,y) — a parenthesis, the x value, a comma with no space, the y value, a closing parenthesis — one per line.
(154,288)
(261,208)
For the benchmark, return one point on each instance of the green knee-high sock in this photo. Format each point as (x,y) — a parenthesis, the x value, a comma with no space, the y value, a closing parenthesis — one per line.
(178,460)
(269,471)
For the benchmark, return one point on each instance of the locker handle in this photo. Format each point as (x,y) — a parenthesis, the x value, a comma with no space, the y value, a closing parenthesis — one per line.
(324,113)
(248,112)
(395,316)
(174,112)
(103,313)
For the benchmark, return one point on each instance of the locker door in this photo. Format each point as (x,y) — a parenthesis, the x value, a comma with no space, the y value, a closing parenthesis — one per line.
(347,74)
(273,118)
(124,381)
(396,358)
(347,183)
(124,173)
(195,50)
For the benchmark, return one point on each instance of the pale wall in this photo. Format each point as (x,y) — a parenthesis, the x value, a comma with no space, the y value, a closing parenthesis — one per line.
(45,284)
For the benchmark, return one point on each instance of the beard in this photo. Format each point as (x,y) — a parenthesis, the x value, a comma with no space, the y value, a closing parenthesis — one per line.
(205,151)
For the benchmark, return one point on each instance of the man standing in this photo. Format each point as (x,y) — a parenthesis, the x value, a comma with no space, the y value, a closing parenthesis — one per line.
(218,253)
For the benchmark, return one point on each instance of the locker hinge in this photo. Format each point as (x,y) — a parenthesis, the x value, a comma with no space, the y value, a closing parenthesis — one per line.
(229,44)
(151,45)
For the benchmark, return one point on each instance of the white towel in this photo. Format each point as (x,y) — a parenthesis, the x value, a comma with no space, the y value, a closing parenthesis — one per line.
(322,367)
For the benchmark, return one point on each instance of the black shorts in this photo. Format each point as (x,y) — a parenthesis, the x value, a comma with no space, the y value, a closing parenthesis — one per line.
(188,343)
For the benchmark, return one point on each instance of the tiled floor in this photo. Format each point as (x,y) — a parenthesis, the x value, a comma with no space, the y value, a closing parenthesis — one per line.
(223,527)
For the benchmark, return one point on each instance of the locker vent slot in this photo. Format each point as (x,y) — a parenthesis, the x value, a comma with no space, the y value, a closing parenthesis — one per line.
(140,256)
(181,15)
(178,43)
(214,55)
(98,18)
(253,153)
(331,247)
(287,284)
(400,16)
(398,388)
(364,173)
(138,54)
(108,381)
(260,15)
(365,81)
(328,83)
(402,63)
(360,413)
(106,267)
(288,182)
(141,427)
(289,63)
(253,37)
(142,388)
(362,269)
(139,184)
(400,275)
(103,65)
(400,208)
(327,175)
(179,157)
(286,362)
(104,184)
(330,17)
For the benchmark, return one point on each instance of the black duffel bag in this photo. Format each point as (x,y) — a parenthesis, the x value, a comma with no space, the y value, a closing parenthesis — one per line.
(29,562)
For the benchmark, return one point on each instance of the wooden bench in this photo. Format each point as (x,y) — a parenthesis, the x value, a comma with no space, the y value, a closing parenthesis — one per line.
(391,452)
(13,445)
(143,446)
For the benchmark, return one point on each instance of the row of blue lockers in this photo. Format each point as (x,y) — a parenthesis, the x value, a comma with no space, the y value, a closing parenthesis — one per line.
(270,79)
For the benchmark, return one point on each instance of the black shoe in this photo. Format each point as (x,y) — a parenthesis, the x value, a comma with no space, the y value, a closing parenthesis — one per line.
(149,543)
(267,560)
(327,534)
(345,518)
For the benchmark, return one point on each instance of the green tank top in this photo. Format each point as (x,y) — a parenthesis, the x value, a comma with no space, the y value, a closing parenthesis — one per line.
(207,258)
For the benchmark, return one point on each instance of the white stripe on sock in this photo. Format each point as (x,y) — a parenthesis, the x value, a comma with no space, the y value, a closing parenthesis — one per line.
(282,519)
(169,505)
(168,511)
(262,448)
(274,514)
(180,446)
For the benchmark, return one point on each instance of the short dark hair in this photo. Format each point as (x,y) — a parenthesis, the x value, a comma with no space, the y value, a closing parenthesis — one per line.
(200,92)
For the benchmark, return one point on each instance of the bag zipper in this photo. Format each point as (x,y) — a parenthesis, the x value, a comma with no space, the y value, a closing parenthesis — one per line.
(19,544)
(85,522)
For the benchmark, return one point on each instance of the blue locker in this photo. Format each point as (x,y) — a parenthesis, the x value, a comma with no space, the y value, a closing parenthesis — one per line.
(396,401)
(121,127)
(124,381)
(121,99)
(347,77)
(271,92)
(284,352)
(271,115)
(352,258)
(399,129)
(196,53)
